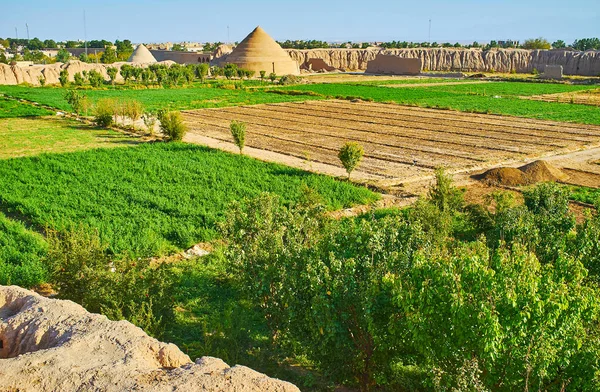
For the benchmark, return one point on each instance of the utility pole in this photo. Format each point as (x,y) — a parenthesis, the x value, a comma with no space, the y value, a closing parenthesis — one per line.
(17,33)
(429,39)
(27,27)
(85,34)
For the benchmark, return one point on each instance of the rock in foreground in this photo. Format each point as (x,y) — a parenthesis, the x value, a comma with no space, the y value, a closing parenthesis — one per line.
(56,345)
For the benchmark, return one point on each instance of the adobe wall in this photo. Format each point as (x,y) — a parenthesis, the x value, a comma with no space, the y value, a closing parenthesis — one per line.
(393,65)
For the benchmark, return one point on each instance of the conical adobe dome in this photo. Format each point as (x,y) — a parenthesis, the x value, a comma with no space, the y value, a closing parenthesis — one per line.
(141,54)
(259,52)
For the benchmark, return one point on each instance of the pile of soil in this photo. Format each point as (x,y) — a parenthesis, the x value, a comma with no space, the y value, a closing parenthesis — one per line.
(534,172)
(542,171)
(508,176)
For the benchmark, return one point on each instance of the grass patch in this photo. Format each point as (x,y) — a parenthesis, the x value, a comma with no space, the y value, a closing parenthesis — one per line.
(154,198)
(494,98)
(31,136)
(10,108)
(585,194)
(193,97)
(21,253)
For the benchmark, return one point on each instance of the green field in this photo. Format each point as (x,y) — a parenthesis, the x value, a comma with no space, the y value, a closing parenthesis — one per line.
(10,108)
(155,198)
(32,136)
(194,97)
(495,98)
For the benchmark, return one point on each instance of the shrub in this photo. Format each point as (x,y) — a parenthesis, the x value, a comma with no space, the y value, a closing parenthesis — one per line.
(104,112)
(63,56)
(262,75)
(350,155)
(290,79)
(63,78)
(272,77)
(132,108)
(75,99)
(230,70)
(112,74)
(42,80)
(172,125)
(82,271)
(96,79)
(78,79)
(149,122)
(238,131)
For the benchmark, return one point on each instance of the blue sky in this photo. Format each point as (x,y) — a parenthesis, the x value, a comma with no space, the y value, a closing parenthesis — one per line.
(383,20)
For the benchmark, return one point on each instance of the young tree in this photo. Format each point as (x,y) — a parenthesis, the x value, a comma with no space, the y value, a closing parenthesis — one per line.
(202,71)
(75,99)
(350,155)
(42,80)
(559,44)
(262,76)
(238,131)
(63,78)
(96,79)
(172,125)
(79,80)
(126,72)
(112,74)
(230,70)
(272,77)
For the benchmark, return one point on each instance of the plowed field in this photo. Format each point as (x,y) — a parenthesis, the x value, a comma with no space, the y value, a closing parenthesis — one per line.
(400,142)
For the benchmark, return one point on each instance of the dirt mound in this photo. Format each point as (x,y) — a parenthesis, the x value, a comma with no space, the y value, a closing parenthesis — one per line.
(508,176)
(56,345)
(540,171)
(534,172)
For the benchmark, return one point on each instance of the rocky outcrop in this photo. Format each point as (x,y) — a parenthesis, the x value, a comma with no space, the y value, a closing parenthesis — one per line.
(56,345)
(475,60)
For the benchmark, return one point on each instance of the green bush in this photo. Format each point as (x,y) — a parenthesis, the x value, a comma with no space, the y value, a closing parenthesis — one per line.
(172,125)
(63,78)
(350,155)
(238,131)
(105,112)
(95,78)
(133,290)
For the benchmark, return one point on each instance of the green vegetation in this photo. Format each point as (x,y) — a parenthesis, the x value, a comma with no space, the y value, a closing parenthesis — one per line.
(238,132)
(445,297)
(10,108)
(31,136)
(496,98)
(153,99)
(21,253)
(585,194)
(350,155)
(172,125)
(152,199)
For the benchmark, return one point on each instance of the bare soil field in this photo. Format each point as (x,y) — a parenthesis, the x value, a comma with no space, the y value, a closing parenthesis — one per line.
(402,144)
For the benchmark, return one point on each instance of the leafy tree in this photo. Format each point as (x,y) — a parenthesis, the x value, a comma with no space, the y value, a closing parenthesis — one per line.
(536,43)
(126,72)
(262,75)
(230,70)
(63,56)
(201,71)
(104,112)
(272,77)
(112,74)
(586,44)
(559,44)
(109,56)
(75,99)
(50,44)
(350,155)
(238,131)
(71,44)
(3,58)
(172,125)
(216,71)
(79,80)
(124,49)
(42,80)
(178,48)
(95,78)
(83,57)
(63,77)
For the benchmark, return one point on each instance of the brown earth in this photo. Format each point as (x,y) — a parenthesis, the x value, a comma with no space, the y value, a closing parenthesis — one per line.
(590,97)
(473,60)
(402,144)
(56,345)
(532,173)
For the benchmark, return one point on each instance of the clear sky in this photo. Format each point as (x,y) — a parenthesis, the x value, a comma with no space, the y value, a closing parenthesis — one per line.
(330,20)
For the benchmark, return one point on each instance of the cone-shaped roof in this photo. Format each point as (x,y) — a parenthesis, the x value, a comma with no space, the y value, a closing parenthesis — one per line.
(259,52)
(141,54)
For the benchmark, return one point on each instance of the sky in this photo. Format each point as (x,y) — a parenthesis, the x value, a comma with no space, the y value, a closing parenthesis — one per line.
(149,21)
